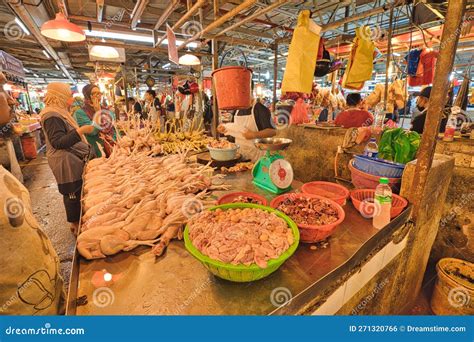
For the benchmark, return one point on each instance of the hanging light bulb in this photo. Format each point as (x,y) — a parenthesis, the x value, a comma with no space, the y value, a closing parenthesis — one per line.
(103,51)
(189,59)
(62,29)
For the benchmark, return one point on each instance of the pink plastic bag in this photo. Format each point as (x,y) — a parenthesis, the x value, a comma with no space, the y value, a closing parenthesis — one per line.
(299,114)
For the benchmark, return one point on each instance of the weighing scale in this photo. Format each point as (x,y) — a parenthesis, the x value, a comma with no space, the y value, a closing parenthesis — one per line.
(272,172)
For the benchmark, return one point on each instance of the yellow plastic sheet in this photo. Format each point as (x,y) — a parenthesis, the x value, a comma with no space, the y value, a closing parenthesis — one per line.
(360,66)
(299,71)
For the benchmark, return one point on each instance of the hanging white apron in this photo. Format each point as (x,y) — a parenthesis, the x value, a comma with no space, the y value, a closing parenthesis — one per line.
(241,124)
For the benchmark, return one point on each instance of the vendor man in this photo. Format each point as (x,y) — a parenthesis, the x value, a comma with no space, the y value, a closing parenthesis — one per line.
(249,124)
(422,102)
(355,115)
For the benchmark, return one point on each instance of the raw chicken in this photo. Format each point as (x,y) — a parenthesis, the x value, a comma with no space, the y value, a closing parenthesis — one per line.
(134,199)
(240,236)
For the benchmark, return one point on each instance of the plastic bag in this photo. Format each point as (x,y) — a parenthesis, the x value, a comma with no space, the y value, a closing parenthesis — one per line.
(302,56)
(299,113)
(359,68)
(399,145)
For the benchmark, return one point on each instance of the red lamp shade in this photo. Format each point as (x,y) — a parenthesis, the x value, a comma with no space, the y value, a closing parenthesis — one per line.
(62,29)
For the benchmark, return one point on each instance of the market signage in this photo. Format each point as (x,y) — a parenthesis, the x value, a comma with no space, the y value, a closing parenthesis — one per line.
(172,48)
(11,65)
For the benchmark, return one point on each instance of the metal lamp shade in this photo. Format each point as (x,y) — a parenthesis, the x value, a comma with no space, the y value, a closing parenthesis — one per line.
(62,29)
(189,59)
(102,51)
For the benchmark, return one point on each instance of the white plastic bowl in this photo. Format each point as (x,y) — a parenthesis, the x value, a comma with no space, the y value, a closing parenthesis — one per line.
(223,154)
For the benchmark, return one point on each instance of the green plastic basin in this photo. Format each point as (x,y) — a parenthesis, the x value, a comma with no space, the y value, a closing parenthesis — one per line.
(243,273)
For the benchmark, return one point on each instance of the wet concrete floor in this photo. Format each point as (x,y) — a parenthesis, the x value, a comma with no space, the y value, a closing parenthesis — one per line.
(48,208)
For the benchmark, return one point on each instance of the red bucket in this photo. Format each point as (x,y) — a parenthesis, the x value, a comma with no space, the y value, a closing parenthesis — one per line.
(233,85)
(28,144)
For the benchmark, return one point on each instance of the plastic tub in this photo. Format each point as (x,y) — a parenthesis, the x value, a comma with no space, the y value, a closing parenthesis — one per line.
(229,198)
(332,191)
(360,195)
(378,167)
(223,154)
(312,233)
(362,180)
(242,273)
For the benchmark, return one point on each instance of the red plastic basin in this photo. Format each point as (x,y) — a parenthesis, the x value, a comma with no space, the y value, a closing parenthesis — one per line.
(230,197)
(360,195)
(312,233)
(332,191)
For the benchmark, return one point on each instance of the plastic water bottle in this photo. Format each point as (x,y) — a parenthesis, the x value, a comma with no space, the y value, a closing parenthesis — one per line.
(451,126)
(382,204)
(371,149)
(379,116)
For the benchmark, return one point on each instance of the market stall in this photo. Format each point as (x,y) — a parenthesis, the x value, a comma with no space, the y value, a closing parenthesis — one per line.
(176,283)
(263,176)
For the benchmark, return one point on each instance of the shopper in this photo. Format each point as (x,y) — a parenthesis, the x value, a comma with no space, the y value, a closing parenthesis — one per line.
(356,115)
(135,107)
(66,147)
(249,124)
(92,113)
(422,102)
(154,107)
(30,282)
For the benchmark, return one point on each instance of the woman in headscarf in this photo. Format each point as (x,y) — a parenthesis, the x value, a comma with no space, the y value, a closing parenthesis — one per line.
(66,147)
(103,136)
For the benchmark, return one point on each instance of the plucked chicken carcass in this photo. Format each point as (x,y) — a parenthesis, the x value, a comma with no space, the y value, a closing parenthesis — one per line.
(134,199)
(397,96)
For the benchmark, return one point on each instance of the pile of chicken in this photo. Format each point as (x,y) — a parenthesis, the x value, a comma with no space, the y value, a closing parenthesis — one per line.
(149,137)
(137,135)
(134,199)
(177,136)
(240,236)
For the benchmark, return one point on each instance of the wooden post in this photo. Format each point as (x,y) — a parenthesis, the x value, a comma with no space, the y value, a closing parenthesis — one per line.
(215,65)
(275,76)
(389,52)
(438,98)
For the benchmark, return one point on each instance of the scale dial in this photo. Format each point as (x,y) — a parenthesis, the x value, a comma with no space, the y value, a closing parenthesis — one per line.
(281,173)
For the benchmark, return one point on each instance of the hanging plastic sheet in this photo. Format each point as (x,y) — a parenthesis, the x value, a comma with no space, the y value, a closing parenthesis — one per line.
(302,56)
(360,66)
